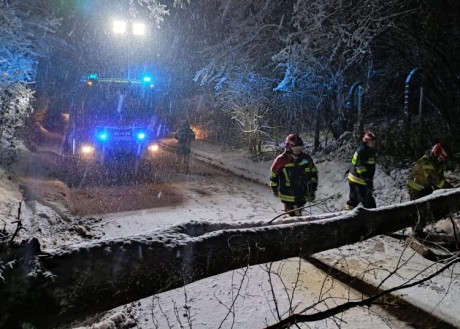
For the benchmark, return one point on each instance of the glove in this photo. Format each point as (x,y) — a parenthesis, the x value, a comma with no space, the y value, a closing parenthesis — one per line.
(310,197)
(275,191)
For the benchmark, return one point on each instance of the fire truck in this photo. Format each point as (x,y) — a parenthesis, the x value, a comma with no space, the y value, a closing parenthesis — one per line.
(112,125)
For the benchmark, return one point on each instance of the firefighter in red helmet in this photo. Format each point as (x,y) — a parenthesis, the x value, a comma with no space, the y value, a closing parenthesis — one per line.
(294,176)
(427,175)
(361,174)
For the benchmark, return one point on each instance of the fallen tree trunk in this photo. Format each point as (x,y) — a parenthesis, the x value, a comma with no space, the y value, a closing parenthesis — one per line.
(68,284)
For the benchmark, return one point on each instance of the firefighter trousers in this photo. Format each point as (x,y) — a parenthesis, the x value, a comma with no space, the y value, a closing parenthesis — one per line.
(289,208)
(360,194)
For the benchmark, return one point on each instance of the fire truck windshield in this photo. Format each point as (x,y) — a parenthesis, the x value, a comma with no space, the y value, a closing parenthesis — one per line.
(109,101)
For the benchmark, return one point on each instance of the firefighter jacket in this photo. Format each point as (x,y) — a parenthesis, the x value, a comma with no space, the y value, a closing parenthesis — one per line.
(362,167)
(294,178)
(427,175)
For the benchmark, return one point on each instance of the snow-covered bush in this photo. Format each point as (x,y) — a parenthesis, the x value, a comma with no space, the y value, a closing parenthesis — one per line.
(15,108)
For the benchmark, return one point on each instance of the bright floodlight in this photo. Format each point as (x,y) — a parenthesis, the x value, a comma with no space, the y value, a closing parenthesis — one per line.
(119,27)
(138,28)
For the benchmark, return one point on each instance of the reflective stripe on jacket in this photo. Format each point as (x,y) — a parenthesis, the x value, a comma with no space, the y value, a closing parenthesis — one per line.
(427,173)
(362,168)
(294,177)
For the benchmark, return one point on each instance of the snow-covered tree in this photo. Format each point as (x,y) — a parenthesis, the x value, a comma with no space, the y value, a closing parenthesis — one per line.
(26,31)
(316,50)
(335,43)
(240,66)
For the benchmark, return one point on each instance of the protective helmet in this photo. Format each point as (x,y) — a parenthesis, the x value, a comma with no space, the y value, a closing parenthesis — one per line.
(440,152)
(292,140)
(368,136)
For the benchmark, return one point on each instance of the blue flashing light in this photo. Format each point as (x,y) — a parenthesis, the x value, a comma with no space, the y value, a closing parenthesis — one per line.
(102,136)
(91,79)
(140,136)
(147,79)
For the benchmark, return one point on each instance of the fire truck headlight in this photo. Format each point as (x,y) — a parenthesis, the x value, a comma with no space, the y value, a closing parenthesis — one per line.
(87,150)
(154,148)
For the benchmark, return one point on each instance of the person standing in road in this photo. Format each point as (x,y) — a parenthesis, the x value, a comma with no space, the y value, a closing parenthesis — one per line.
(427,175)
(185,136)
(361,174)
(294,176)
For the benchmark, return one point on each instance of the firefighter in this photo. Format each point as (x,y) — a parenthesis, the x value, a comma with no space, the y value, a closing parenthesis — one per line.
(294,176)
(361,174)
(427,173)
(185,136)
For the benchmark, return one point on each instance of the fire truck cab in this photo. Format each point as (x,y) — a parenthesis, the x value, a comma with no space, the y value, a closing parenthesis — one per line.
(113,120)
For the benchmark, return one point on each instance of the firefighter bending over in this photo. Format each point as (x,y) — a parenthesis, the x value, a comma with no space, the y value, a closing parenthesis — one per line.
(427,175)
(294,176)
(361,174)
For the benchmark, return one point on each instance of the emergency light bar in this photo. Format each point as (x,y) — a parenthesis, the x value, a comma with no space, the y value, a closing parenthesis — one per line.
(92,78)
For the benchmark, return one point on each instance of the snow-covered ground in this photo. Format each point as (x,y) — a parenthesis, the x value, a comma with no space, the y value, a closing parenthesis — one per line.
(250,297)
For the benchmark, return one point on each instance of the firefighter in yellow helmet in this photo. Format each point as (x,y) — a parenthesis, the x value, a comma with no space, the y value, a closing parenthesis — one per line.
(361,174)
(427,175)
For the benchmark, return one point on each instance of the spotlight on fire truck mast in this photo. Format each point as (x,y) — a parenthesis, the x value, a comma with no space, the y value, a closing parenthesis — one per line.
(138,28)
(120,27)
(135,28)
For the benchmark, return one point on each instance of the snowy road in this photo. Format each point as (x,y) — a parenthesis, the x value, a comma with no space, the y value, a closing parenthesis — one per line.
(214,195)
(211,194)
(245,298)
(205,193)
